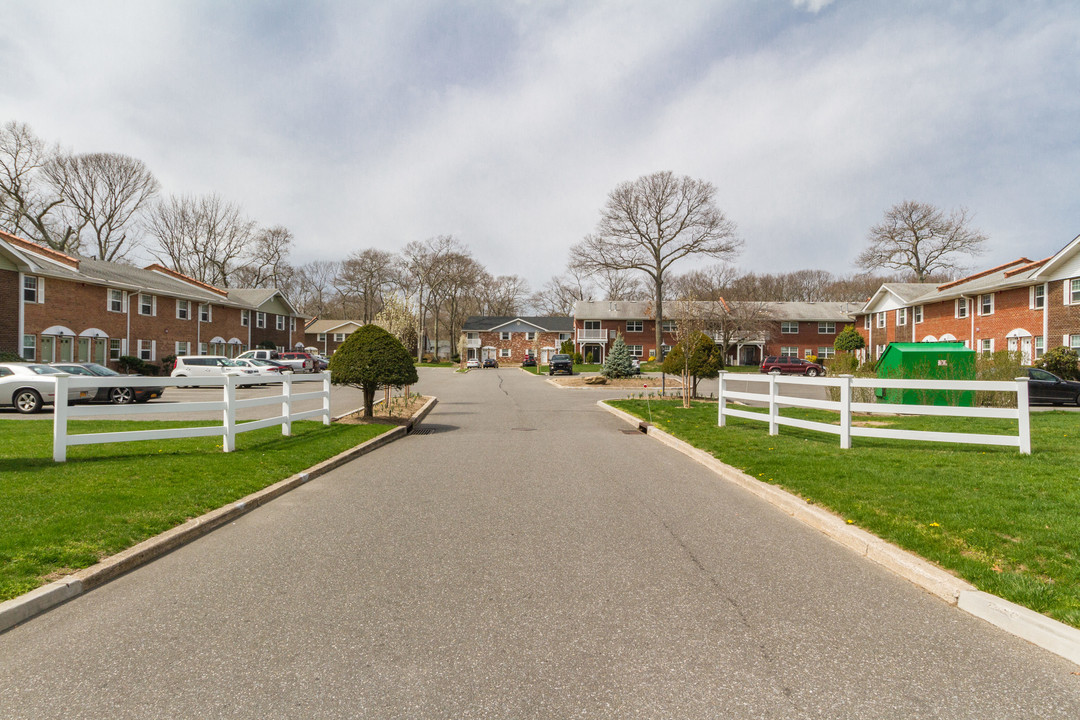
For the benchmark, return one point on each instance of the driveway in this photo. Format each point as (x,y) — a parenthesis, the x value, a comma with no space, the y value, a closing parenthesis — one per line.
(523,557)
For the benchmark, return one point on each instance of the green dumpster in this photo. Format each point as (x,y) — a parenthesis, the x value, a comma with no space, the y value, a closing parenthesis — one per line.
(926,361)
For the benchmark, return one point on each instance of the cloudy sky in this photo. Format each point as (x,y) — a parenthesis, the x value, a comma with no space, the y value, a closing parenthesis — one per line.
(369,124)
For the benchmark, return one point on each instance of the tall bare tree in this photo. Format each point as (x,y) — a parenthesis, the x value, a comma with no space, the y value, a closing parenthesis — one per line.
(30,205)
(202,237)
(653,222)
(314,286)
(420,268)
(364,276)
(558,295)
(266,260)
(105,192)
(504,295)
(921,239)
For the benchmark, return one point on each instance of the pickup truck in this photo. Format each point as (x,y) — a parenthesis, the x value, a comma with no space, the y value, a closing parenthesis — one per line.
(561,363)
(298,364)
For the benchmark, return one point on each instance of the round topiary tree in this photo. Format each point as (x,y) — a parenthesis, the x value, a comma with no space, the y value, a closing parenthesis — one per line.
(849,340)
(371,358)
(1061,361)
(618,363)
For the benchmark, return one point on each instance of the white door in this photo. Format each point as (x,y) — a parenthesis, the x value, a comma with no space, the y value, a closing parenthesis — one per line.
(1025,350)
(1012,345)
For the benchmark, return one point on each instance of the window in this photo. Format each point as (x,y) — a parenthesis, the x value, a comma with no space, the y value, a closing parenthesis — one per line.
(183,309)
(183,347)
(986,345)
(636,350)
(339,337)
(901,316)
(881,319)
(29,347)
(1074,291)
(665,349)
(147,304)
(504,336)
(1040,346)
(826,328)
(292,324)
(116,348)
(260,319)
(203,349)
(789,350)
(32,289)
(204,313)
(504,352)
(986,304)
(321,337)
(116,300)
(866,321)
(789,327)
(279,322)
(146,349)
(670,326)
(634,326)
(563,337)
(824,353)
(1074,342)
(1038,297)
(917,312)
(530,336)
(245,318)
(961,308)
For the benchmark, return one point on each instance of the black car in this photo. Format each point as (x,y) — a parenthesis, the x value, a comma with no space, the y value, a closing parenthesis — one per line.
(116,395)
(491,362)
(1046,387)
(561,363)
(529,361)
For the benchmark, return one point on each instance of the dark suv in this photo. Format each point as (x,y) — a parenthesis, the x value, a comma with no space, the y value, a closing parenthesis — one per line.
(561,363)
(791,365)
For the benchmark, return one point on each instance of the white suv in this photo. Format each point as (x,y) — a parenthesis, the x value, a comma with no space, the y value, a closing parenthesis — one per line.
(204,365)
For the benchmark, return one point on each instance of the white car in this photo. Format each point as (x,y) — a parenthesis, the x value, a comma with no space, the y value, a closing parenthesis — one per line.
(264,367)
(472,363)
(209,366)
(30,386)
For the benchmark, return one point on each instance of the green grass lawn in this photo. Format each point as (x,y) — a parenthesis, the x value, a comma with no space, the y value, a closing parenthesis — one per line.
(59,517)
(445,364)
(1007,523)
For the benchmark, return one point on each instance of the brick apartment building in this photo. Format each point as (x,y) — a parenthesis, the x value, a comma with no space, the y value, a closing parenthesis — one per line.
(1023,306)
(55,307)
(328,335)
(510,339)
(793,328)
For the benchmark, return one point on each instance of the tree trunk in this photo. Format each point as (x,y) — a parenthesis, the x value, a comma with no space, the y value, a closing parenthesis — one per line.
(369,400)
(658,298)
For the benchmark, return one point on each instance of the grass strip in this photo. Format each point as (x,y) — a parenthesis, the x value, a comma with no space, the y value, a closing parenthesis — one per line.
(1005,522)
(59,517)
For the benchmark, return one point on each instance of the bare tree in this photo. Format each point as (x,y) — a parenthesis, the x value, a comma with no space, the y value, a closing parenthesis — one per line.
(314,283)
(621,285)
(202,237)
(266,260)
(504,295)
(558,295)
(30,205)
(364,275)
(653,222)
(919,238)
(455,295)
(105,192)
(420,268)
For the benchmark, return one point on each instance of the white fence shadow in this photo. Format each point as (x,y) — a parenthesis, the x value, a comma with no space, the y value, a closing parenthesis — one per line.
(845,407)
(228,406)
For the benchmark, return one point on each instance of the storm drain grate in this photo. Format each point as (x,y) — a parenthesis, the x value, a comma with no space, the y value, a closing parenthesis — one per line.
(631,432)
(423,431)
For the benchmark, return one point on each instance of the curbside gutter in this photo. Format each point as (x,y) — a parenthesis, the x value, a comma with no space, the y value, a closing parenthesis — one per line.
(1036,628)
(26,606)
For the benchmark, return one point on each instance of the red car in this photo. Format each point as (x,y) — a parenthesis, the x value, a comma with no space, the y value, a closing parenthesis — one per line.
(791,365)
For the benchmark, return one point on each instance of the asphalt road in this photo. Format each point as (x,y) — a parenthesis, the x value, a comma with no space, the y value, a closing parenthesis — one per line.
(526,559)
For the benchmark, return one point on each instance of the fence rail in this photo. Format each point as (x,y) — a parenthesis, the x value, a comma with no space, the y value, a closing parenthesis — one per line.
(228,406)
(845,407)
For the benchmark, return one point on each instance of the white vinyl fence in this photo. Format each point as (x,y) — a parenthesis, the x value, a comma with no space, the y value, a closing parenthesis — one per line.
(228,406)
(846,430)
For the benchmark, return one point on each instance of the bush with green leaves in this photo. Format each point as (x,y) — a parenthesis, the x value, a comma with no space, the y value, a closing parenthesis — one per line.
(567,347)
(6,356)
(371,358)
(1061,361)
(132,364)
(618,363)
(849,340)
(705,360)
(266,345)
(843,363)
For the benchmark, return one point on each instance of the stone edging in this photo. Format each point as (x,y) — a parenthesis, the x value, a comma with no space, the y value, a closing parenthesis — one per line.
(26,606)
(1036,628)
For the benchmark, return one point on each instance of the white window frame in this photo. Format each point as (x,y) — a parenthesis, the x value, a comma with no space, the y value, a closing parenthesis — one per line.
(504,352)
(245,318)
(117,296)
(35,285)
(530,336)
(635,326)
(116,348)
(147,346)
(917,314)
(206,313)
(204,348)
(29,345)
(826,327)
(340,337)
(986,304)
(901,317)
(292,324)
(1074,342)
(183,347)
(826,353)
(670,326)
(321,337)
(183,309)
(986,345)
(636,350)
(960,309)
(260,320)
(279,322)
(1038,297)
(1072,292)
(789,350)
(151,311)
(1039,344)
(866,321)
(881,320)
(505,335)
(789,327)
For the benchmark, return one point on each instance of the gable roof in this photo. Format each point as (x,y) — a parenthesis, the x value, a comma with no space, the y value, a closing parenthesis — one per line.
(257,297)
(489,323)
(329,325)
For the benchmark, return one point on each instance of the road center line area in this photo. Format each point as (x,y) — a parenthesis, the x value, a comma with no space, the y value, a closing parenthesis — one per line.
(521,558)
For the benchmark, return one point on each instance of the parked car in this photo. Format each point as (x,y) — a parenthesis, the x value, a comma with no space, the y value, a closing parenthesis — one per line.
(321,363)
(529,361)
(300,361)
(208,366)
(472,363)
(259,354)
(491,362)
(30,386)
(1046,387)
(561,363)
(791,365)
(116,395)
(269,368)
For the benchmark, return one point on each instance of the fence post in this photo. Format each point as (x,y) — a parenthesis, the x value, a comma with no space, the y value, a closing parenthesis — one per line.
(845,412)
(286,403)
(723,389)
(326,397)
(228,441)
(60,414)
(773,409)
(1023,415)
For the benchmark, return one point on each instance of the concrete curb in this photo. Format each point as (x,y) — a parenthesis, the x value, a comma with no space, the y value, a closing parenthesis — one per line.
(24,607)
(1047,633)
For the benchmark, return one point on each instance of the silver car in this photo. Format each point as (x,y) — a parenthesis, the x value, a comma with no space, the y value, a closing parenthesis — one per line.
(30,386)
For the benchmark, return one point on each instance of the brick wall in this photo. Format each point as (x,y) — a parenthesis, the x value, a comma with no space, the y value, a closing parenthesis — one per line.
(808,340)
(1063,319)
(9,318)
(517,345)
